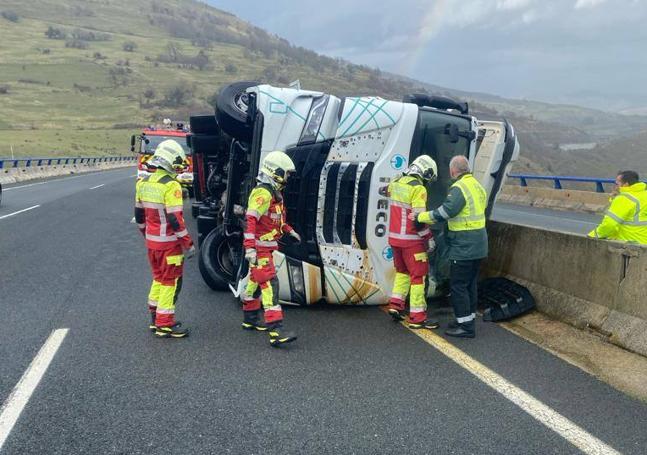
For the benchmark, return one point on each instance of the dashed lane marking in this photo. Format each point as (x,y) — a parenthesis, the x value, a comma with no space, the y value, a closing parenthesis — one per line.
(19,211)
(24,186)
(13,407)
(567,429)
(98,186)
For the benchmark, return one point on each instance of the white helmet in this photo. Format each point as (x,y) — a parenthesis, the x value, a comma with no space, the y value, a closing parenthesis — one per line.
(425,167)
(277,166)
(170,156)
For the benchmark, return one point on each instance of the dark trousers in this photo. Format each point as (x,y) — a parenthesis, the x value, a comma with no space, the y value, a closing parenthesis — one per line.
(463,277)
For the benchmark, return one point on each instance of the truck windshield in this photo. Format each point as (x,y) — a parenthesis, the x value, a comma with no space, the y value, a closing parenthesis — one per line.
(154,141)
(431,138)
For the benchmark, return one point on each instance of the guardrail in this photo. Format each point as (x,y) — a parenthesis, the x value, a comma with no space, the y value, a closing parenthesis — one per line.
(37,162)
(558,179)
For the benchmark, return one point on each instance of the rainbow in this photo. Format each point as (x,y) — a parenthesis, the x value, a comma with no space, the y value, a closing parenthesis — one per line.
(427,29)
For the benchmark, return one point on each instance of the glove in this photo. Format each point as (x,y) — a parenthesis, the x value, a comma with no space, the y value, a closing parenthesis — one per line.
(431,245)
(295,235)
(190,252)
(250,255)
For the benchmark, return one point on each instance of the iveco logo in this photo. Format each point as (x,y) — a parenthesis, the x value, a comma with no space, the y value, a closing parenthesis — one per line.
(398,162)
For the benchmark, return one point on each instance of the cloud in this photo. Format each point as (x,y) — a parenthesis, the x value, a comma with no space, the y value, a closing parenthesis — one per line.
(582,4)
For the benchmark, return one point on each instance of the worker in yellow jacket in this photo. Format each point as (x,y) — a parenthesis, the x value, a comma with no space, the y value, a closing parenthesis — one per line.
(626,218)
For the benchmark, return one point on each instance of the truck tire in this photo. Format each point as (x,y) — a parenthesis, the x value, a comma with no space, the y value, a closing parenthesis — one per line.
(215,263)
(204,124)
(231,110)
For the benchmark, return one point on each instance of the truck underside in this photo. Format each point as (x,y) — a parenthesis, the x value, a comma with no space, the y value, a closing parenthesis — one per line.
(343,151)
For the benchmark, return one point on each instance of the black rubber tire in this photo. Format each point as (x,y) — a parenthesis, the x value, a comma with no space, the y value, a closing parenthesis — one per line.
(206,144)
(214,261)
(204,124)
(230,115)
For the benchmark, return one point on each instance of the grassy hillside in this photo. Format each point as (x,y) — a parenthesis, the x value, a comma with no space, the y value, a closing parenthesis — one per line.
(78,77)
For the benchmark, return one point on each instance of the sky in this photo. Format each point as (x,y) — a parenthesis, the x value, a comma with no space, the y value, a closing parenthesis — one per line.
(586,52)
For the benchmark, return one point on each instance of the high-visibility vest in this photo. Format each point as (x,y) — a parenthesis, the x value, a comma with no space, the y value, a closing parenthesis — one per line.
(626,218)
(472,216)
(407,194)
(265,218)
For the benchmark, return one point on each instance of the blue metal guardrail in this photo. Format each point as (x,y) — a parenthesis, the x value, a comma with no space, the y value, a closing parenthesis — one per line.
(35,162)
(558,179)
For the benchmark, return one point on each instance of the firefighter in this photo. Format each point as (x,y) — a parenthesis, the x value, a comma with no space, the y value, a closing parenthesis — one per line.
(158,214)
(464,211)
(410,242)
(265,225)
(626,218)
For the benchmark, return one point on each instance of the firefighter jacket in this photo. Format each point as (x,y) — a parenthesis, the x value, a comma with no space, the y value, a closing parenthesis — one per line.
(464,211)
(158,212)
(626,218)
(407,194)
(265,219)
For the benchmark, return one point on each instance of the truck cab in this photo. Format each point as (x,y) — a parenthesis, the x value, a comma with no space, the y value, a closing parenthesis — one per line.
(344,150)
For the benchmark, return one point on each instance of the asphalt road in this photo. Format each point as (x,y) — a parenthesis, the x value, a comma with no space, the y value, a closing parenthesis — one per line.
(354,382)
(554,220)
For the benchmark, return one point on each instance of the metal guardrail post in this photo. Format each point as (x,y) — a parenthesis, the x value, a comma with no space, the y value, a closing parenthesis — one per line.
(523,181)
(15,163)
(599,188)
(1,164)
(558,185)
(28,163)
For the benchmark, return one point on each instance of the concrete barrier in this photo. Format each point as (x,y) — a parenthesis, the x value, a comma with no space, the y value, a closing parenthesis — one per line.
(21,174)
(572,200)
(588,283)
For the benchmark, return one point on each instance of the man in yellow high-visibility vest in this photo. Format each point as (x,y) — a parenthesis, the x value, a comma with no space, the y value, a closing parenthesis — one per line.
(626,218)
(464,212)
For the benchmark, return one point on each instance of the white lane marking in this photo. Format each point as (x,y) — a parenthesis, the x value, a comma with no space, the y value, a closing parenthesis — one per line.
(567,429)
(98,186)
(24,186)
(17,400)
(512,213)
(19,211)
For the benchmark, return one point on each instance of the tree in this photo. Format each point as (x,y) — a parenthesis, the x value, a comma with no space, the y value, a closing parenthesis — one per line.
(11,16)
(178,95)
(55,33)
(149,94)
(230,68)
(130,46)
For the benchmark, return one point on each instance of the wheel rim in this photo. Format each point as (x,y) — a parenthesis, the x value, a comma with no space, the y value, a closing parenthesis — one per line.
(224,260)
(241,101)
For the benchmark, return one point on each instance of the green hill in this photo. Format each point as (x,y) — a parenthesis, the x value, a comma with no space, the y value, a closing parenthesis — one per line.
(78,77)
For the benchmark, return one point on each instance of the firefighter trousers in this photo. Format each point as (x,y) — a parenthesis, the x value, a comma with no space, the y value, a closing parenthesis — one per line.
(263,288)
(411,267)
(166,266)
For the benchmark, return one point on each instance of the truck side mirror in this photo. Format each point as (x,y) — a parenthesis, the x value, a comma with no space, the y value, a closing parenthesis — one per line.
(452,131)
(132,143)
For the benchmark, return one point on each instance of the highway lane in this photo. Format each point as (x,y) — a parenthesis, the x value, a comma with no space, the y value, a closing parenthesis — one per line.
(554,220)
(354,382)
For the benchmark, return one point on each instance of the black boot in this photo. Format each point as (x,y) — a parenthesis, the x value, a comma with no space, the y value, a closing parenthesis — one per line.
(453,325)
(397,315)
(252,321)
(429,323)
(278,335)
(465,330)
(175,331)
(152,325)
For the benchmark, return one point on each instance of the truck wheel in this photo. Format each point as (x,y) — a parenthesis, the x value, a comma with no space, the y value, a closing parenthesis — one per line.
(203,124)
(215,262)
(231,110)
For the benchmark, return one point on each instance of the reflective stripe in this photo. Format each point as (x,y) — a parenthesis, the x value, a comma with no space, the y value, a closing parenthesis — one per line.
(138,204)
(248,235)
(469,318)
(469,218)
(252,213)
(275,216)
(417,309)
(424,232)
(266,243)
(404,236)
(614,217)
(152,205)
(273,308)
(141,225)
(400,204)
(152,302)
(443,213)
(418,209)
(403,221)
(174,209)
(159,238)
(397,297)
(165,311)
(182,233)
(162,215)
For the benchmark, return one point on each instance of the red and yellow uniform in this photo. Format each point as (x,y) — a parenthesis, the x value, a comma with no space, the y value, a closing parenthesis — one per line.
(265,225)
(409,244)
(158,213)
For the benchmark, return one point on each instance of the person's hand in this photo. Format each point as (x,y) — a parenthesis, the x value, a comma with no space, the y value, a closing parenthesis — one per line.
(190,252)
(250,255)
(431,245)
(295,235)
(413,216)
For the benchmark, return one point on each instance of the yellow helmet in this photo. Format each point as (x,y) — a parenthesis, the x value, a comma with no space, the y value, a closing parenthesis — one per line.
(169,155)
(425,167)
(277,166)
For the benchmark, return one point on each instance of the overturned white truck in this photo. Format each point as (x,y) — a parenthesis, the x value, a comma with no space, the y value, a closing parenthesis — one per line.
(344,150)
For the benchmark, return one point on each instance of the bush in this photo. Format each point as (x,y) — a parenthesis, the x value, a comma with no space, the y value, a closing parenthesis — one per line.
(99,56)
(129,46)
(4,89)
(11,16)
(178,95)
(230,68)
(76,44)
(89,35)
(55,33)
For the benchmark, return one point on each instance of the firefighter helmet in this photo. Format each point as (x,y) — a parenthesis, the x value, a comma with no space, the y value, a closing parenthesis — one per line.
(170,156)
(277,166)
(425,167)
